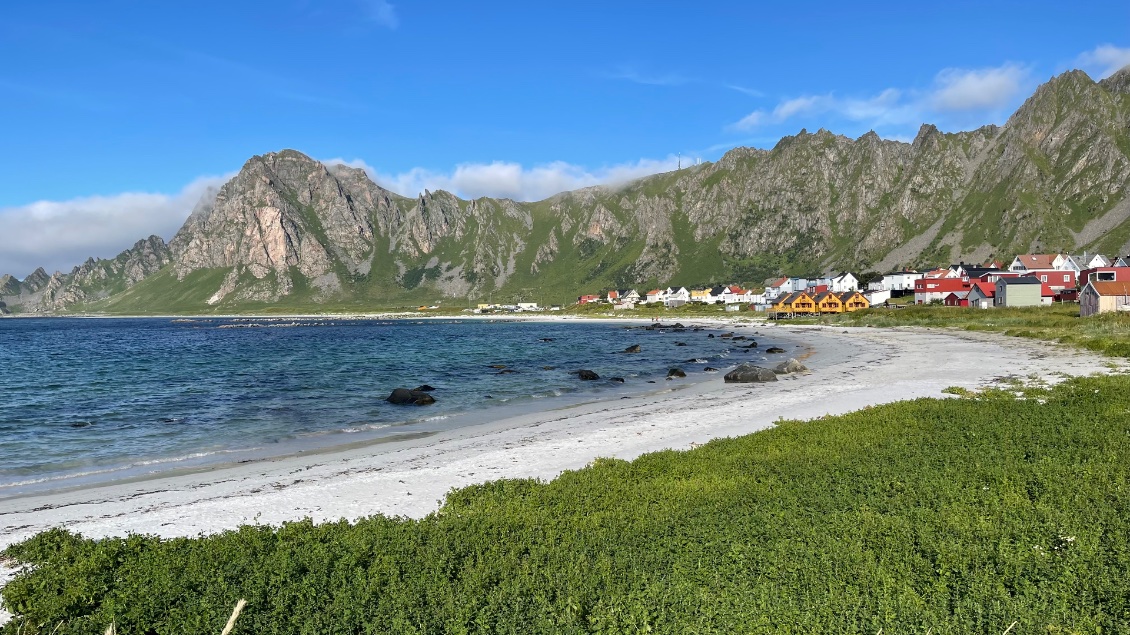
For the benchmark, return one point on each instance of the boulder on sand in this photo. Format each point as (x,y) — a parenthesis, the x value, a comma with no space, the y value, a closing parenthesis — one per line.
(774,349)
(789,367)
(405,397)
(748,373)
(587,375)
(634,348)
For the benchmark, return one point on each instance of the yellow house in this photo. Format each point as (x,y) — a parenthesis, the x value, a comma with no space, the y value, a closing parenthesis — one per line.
(796,302)
(828,302)
(854,301)
(700,295)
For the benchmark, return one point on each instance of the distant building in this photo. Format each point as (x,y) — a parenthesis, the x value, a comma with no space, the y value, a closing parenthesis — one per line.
(1021,291)
(1104,297)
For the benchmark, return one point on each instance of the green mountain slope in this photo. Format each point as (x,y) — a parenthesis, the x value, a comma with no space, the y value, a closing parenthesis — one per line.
(290,233)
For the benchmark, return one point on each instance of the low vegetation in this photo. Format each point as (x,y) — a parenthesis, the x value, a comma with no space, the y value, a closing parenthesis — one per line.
(960,515)
(1107,333)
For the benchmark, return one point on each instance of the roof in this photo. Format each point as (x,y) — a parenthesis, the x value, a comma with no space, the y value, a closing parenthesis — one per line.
(1037,261)
(735,289)
(987,289)
(960,295)
(1110,288)
(779,281)
(823,295)
(653,292)
(936,273)
(1018,280)
(793,297)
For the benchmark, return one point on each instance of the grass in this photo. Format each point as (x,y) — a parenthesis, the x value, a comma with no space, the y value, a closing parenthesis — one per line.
(961,515)
(1108,333)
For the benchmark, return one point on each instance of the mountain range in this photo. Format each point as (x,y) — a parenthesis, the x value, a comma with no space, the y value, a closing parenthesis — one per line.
(290,232)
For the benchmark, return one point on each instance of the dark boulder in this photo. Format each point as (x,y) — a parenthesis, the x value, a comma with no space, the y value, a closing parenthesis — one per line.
(709,369)
(618,380)
(752,344)
(549,368)
(507,371)
(679,325)
(774,349)
(587,375)
(726,335)
(738,338)
(405,397)
(423,388)
(710,335)
(748,373)
(676,372)
(634,348)
(680,343)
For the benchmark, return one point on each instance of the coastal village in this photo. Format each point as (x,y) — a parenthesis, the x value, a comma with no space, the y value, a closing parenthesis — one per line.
(1097,283)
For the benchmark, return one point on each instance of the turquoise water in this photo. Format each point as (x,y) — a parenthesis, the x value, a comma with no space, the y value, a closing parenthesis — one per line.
(97,399)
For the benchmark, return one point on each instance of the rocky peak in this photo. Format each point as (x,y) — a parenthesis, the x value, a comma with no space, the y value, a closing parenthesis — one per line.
(36,280)
(1119,82)
(9,285)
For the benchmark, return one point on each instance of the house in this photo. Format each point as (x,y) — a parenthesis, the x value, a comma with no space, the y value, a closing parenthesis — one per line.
(977,271)
(677,297)
(956,298)
(828,302)
(703,296)
(1038,262)
(795,302)
(655,295)
(843,282)
(941,273)
(784,286)
(1055,278)
(854,301)
(528,306)
(877,296)
(1021,291)
(981,295)
(1121,261)
(927,290)
(1104,274)
(1104,297)
(588,299)
(1079,263)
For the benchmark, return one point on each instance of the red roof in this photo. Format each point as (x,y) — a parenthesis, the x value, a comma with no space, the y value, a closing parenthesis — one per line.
(653,292)
(780,281)
(988,289)
(735,289)
(1111,288)
(937,273)
(1037,261)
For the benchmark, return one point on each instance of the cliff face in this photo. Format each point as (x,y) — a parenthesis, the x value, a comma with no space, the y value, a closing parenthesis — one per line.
(290,230)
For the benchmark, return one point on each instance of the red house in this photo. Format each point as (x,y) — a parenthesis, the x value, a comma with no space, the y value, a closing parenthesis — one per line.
(957,298)
(928,290)
(1104,274)
(585,299)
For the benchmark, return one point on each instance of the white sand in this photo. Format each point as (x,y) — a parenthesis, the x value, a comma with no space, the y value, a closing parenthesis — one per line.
(852,369)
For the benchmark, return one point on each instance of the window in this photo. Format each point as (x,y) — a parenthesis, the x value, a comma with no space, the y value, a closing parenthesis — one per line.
(1044,278)
(1066,278)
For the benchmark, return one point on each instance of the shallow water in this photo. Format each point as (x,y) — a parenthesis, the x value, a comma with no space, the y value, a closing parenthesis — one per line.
(98,399)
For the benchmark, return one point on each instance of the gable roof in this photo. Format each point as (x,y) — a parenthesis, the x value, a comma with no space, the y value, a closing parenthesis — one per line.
(987,289)
(1018,280)
(653,292)
(779,281)
(1110,288)
(1037,261)
(823,295)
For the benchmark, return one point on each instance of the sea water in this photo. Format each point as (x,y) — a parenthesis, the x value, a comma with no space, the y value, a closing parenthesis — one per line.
(89,400)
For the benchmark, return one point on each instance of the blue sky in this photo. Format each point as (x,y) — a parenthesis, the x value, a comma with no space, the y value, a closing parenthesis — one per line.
(120,112)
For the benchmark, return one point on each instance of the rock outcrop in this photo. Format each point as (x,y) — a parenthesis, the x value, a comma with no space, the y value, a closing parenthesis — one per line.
(748,373)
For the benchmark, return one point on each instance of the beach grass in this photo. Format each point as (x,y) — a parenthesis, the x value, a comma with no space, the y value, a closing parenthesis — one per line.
(1108,333)
(995,508)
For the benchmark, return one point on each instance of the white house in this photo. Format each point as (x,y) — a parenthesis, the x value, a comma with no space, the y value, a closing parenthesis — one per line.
(784,286)
(528,306)
(677,297)
(877,296)
(655,295)
(1039,262)
(843,283)
(734,294)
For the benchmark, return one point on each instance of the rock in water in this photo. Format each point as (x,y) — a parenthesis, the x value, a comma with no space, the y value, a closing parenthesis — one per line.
(618,380)
(634,348)
(423,388)
(680,343)
(748,373)
(791,366)
(774,349)
(709,369)
(587,375)
(405,397)
(676,372)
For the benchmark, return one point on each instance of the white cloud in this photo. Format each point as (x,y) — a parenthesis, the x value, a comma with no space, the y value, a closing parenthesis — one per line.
(983,91)
(503,179)
(1104,60)
(382,12)
(978,89)
(57,235)
(631,75)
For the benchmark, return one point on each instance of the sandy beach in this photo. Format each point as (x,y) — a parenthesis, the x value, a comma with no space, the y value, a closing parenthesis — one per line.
(851,369)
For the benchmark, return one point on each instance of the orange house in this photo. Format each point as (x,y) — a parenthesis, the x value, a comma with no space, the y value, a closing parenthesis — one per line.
(796,302)
(828,302)
(854,301)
